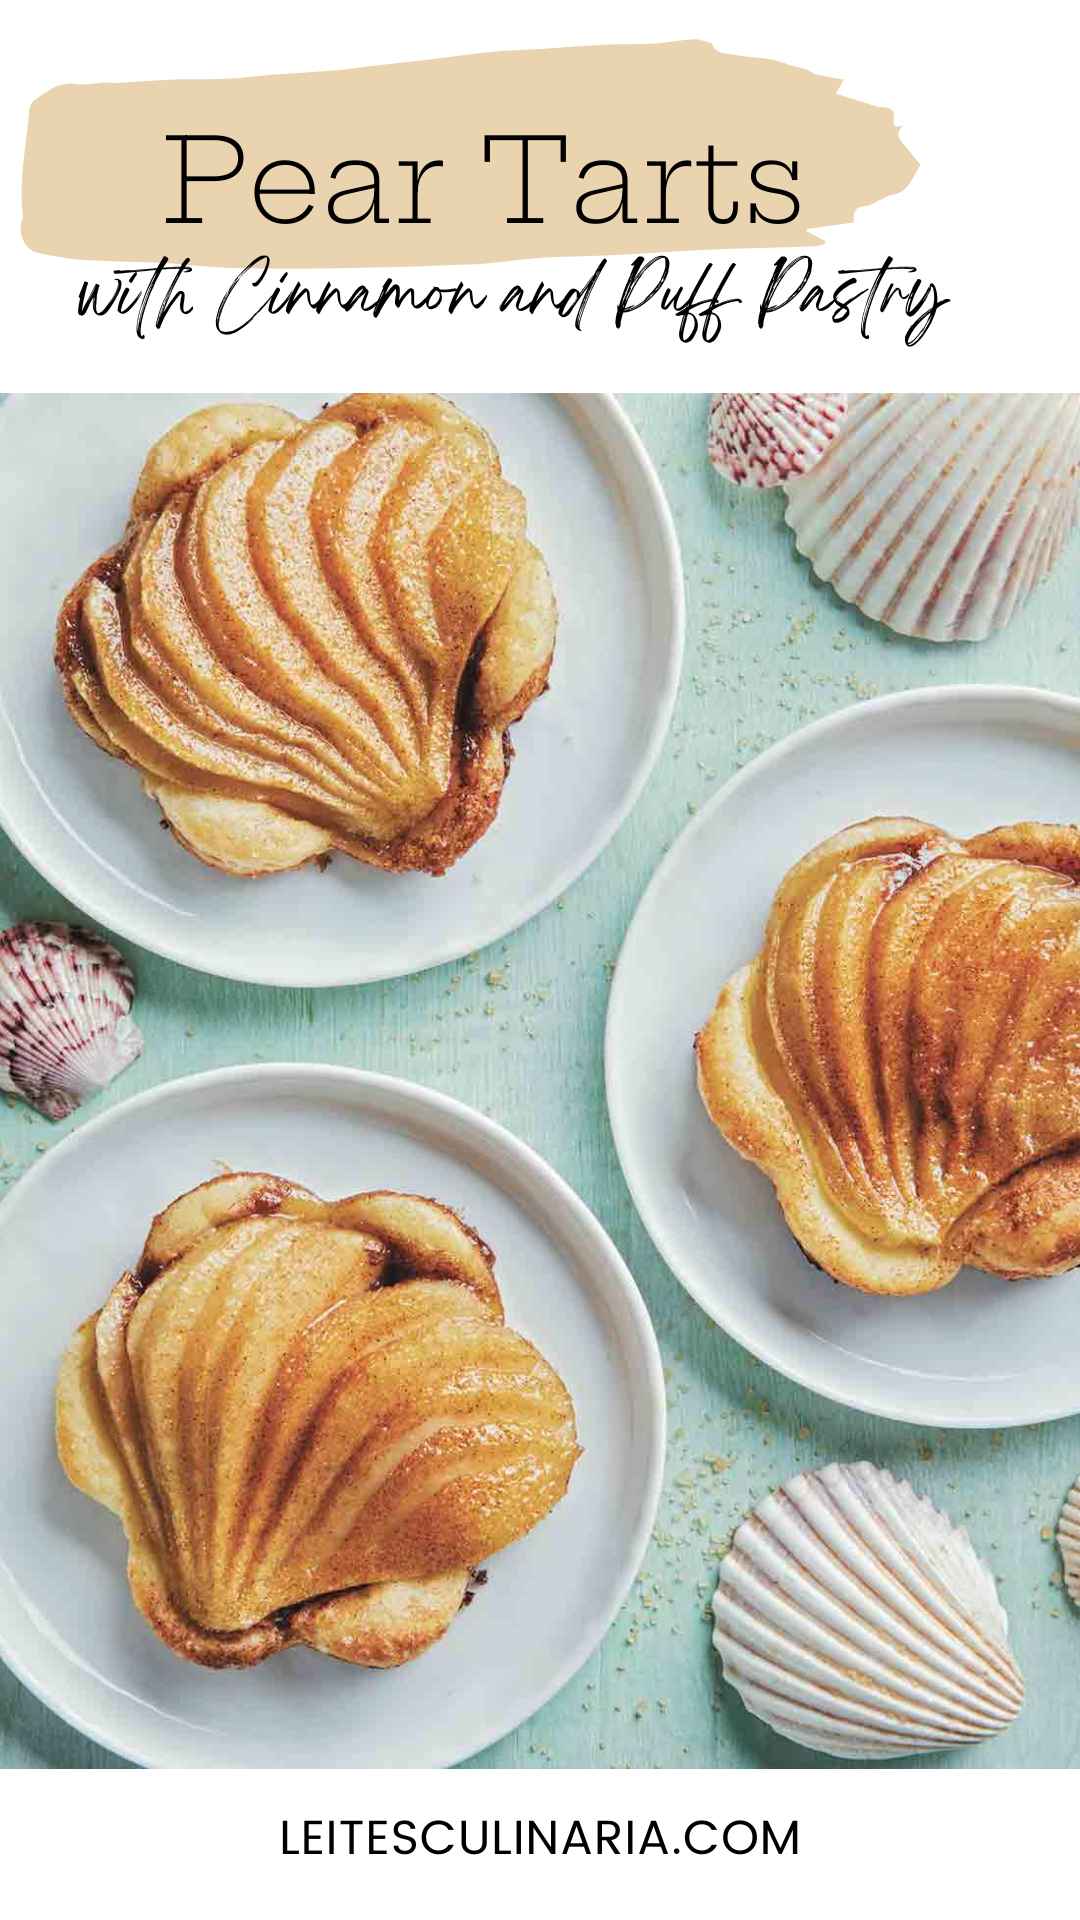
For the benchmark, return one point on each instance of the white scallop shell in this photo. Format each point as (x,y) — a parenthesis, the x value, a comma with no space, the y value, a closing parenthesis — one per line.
(65,1015)
(1068,1535)
(856,1619)
(938,513)
(763,439)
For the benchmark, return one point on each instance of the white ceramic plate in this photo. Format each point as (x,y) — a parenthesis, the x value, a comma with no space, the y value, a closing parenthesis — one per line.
(67,1624)
(68,463)
(980,1353)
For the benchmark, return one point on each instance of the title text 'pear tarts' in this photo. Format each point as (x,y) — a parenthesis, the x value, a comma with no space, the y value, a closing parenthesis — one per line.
(315,635)
(312,1420)
(902,1058)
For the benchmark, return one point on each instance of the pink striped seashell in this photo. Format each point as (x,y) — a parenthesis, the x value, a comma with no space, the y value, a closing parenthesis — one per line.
(65,1015)
(939,513)
(1068,1537)
(763,439)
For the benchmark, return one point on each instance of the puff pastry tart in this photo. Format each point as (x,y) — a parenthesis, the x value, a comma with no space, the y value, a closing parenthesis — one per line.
(312,1421)
(902,1058)
(314,635)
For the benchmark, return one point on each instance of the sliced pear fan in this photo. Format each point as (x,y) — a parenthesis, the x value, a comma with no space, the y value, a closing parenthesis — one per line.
(312,1421)
(902,1057)
(315,636)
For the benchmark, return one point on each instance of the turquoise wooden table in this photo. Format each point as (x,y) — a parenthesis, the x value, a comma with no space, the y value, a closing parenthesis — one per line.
(517,1031)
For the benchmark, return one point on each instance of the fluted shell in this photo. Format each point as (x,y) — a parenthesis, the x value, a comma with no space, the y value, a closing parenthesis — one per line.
(937,514)
(314,636)
(902,1058)
(854,1618)
(1068,1534)
(764,439)
(312,1421)
(65,1015)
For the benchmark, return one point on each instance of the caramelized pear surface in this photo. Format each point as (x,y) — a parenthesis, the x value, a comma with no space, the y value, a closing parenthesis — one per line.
(315,635)
(312,1420)
(902,1058)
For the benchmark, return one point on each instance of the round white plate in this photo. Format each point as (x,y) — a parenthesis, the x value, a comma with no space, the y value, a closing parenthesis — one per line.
(67,1623)
(980,1353)
(68,463)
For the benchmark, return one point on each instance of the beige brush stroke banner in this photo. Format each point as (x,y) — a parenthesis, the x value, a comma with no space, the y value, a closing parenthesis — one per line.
(100,177)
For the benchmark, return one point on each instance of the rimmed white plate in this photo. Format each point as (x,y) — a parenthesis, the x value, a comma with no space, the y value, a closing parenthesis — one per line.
(67,1624)
(980,1353)
(68,463)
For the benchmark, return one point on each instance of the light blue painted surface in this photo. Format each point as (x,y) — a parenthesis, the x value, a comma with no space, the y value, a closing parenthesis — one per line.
(517,1031)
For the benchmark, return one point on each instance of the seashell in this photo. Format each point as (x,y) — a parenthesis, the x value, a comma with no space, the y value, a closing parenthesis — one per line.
(312,1420)
(764,439)
(937,514)
(895,1058)
(854,1618)
(1068,1538)
(65,1015)
(316,635)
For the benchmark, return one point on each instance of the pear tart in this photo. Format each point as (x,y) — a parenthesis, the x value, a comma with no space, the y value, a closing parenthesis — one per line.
(312,1421)
(314,635)
(902,1058)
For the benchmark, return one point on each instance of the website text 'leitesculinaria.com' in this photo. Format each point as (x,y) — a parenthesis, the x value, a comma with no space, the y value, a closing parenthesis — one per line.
(622,1838)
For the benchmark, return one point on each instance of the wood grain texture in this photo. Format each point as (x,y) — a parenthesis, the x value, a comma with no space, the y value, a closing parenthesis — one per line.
(517,1031)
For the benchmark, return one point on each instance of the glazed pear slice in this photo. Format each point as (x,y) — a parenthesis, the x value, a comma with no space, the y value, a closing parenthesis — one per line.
(242,624)
(364,411)
(202,441)
(348,504)
(912,910)
(516,655)
(177,709)
(222,823)
(162,727)
(282,519)
(152,585)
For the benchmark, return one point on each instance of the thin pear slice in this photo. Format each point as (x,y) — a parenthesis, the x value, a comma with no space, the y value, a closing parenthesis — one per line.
(348,501)
(245,627)
(156,724)
(154,586)
(281,513)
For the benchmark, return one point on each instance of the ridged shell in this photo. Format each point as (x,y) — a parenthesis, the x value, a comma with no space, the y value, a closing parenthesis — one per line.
(65,1015)
(304,1411)
(937,514)
(280,643)
(1068,1535)
(763,439)
(854,1618)
(901,1056)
